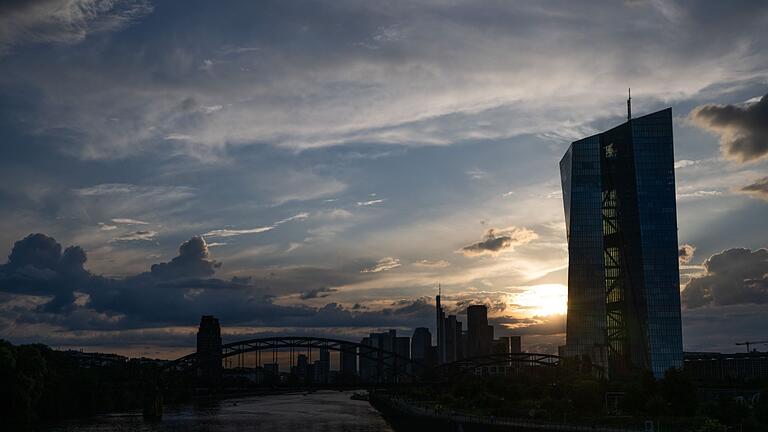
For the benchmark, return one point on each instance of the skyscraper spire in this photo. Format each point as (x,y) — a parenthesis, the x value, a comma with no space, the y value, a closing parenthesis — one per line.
(629,104)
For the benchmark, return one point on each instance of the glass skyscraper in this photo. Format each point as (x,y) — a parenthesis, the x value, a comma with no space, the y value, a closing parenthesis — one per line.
(621,221)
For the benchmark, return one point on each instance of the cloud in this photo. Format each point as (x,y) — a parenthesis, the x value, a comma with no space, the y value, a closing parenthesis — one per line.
(383,264)
(128,221)
(685,163)
(300,216)
(226,232)
(64,21)
(432,264)
(142,235)
(317,293)
(734,276)
(66,297)
(685,253)
(192,262)
(369,203)
(743,129)
(106,227)
(222,233)
(699,194)
(496,241)
(758,188)
(37,266)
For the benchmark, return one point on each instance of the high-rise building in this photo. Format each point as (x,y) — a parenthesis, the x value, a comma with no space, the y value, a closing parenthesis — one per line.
(367,362)
(348,362)
(377,367)
(621,222)
(420,344)
(479,333)
(209,350)
(440,329)
(515,344)
(323,366)
(450,327)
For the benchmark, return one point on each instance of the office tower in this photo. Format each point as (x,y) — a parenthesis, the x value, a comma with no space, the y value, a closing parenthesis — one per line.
(323,366)
(623,276)
(209,350)
(379,367)
(515,344)
(440,328)
(450,326)
(478,335)
(500,346)
(420,344)
(348,362)
(459,341)
(368,372)
(403,349)
(302,363)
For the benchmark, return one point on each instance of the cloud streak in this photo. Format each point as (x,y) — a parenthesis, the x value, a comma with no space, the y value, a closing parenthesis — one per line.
(383,264)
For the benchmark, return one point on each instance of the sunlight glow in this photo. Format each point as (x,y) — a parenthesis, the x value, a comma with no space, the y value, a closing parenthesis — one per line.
(542,300)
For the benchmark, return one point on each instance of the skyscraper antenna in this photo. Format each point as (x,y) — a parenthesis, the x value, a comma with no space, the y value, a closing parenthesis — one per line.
(439,289)
(629,104)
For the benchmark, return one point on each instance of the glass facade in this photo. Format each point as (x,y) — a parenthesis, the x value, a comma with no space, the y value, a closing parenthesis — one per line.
(623,275)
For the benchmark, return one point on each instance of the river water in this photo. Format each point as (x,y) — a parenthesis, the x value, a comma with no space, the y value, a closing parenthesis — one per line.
(319,411)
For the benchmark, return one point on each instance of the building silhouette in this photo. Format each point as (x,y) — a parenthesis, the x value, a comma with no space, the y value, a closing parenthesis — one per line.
(623,275)
(209,351)
(479,333)
(376,368)
(440,329)
(348,362)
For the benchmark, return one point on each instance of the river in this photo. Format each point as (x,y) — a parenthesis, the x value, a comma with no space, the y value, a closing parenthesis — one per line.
(319,411)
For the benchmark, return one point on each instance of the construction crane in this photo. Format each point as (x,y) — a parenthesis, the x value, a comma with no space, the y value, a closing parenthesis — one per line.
(750,343)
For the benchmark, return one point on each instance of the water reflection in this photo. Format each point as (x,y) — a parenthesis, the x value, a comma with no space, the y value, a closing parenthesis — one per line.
(320,411)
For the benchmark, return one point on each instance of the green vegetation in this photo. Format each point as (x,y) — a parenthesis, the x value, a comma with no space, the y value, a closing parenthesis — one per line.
(561,395)
(40,384)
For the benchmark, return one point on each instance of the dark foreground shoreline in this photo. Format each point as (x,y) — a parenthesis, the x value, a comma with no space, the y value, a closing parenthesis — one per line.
(404,417)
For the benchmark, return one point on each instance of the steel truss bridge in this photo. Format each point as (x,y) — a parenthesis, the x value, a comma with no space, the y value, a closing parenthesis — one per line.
(387,365)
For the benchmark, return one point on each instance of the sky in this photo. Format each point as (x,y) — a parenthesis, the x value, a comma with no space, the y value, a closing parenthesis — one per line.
(317,167)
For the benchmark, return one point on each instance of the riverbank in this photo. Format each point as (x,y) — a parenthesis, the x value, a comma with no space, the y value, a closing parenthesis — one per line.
(406,416)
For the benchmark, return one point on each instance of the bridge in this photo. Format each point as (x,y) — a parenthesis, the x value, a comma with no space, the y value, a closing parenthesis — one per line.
(377,361)
(389,366)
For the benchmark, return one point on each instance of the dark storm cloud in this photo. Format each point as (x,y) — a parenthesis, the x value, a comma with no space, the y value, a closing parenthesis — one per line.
(37,266)
(172,293)
(685,253)
(734,276)
(192,262)
(743,129)
(317,293)
(758,188)
(496,241)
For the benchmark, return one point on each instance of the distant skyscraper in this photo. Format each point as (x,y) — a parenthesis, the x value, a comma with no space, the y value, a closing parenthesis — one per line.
(623,276)
(209,350)
(348,362)
(479,333)
(440,329)
(421,346)
(452,339)
(515,344)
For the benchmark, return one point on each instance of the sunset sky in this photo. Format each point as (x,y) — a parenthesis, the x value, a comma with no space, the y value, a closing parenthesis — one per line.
(324,164)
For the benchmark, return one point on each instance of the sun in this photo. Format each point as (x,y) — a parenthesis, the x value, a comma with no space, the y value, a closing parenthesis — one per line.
(542,300)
